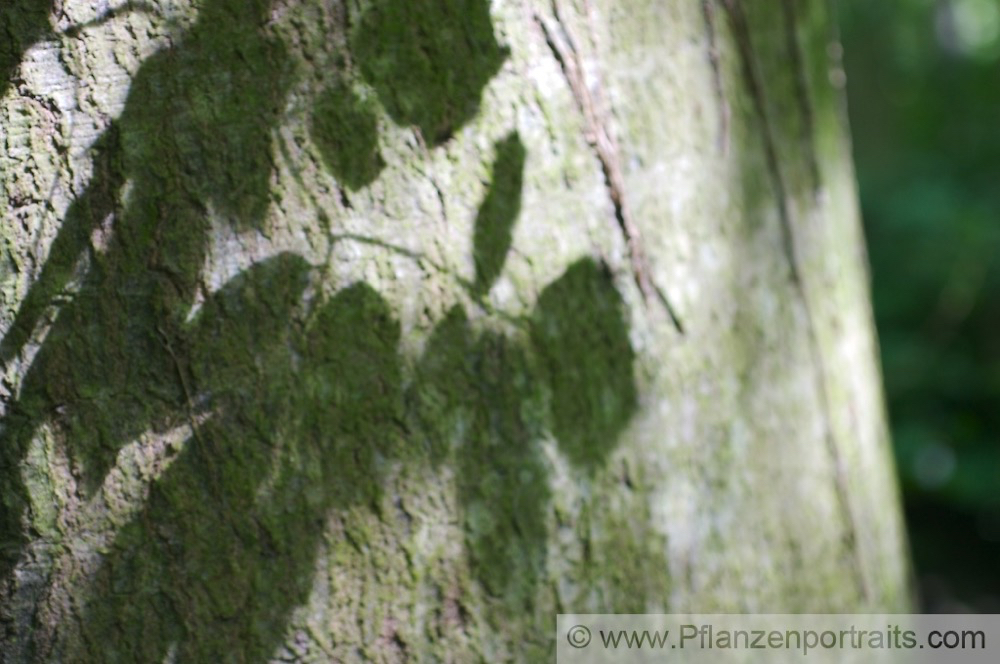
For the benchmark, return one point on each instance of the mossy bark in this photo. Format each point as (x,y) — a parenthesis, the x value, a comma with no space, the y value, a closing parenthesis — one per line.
(325,335)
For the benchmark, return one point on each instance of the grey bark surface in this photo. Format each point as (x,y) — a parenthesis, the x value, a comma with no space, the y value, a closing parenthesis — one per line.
(385,330)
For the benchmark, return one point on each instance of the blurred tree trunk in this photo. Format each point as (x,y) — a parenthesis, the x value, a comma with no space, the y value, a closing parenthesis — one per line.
(386,329)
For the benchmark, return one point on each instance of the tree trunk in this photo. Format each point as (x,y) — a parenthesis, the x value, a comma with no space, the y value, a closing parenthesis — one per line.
(388,329)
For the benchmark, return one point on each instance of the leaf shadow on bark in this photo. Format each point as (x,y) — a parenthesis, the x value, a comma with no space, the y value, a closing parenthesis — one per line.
(483,400)
(122,358)
(428,61)
(291,411)
(225,548)
(23,23)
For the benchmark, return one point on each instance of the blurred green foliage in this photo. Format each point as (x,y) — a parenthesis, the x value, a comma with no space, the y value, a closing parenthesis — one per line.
(924,96)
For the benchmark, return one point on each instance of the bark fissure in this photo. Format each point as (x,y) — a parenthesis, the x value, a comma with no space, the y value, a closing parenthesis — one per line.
(182,378)
(801,84)
(753,80)
(601,139)
(725,112)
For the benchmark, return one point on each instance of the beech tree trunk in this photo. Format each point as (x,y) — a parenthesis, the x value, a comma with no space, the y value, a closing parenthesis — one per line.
(343,330)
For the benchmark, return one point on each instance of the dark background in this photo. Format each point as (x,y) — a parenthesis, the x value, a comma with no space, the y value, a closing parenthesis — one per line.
(924,98)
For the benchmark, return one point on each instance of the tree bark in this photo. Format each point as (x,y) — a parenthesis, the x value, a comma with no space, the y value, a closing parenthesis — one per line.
(385,329)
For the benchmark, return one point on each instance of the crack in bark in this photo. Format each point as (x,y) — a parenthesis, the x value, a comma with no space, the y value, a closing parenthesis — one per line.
(602,141)
(188,395)
(440,197)
(725,112)
(741,35)
(342,197)
(801,85)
